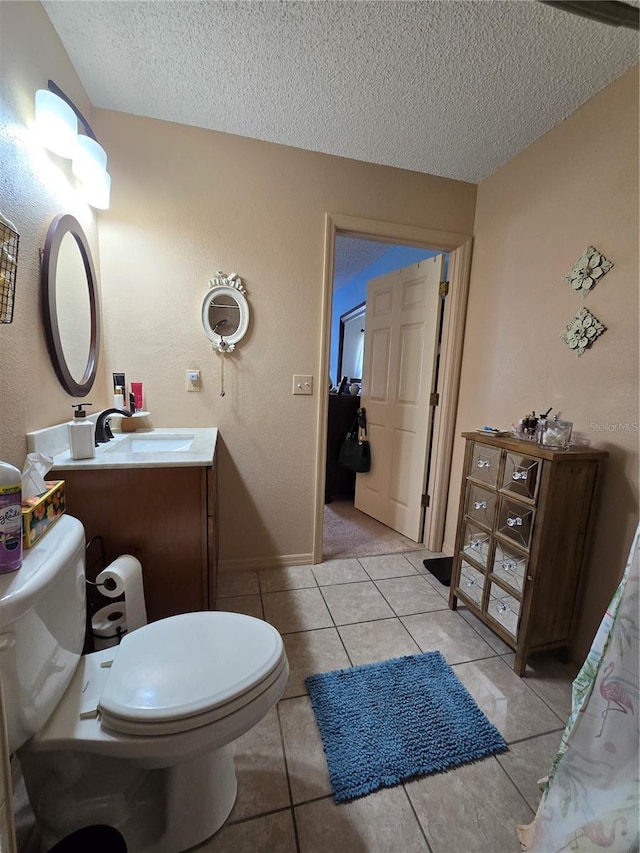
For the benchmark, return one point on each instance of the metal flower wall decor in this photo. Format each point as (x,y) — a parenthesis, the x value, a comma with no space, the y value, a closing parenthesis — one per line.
(587,271)
(582,331)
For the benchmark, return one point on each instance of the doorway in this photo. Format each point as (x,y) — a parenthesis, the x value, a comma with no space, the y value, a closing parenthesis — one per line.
(459,247)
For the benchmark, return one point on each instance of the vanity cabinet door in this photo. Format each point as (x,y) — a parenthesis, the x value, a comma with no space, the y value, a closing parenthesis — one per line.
(158,515)
(212,534)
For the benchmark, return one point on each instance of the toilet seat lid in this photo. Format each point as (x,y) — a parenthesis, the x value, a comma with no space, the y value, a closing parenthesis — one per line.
(187,665)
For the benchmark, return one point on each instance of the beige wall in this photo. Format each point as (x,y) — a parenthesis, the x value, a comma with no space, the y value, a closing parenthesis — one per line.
(577,185)
(35,186)
(186,202)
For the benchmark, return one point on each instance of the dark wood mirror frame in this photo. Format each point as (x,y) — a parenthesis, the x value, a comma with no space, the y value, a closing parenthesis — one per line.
(62,225)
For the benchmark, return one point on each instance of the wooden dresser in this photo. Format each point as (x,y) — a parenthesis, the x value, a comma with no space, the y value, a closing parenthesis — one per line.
(522,535)
(340,483)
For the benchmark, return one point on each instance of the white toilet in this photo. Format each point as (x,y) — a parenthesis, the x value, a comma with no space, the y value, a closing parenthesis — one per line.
(138,736)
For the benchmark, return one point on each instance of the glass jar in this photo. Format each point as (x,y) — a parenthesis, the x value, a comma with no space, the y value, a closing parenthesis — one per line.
(555,434)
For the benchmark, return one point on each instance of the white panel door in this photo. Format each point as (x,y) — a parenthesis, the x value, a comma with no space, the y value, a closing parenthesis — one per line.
(400,351)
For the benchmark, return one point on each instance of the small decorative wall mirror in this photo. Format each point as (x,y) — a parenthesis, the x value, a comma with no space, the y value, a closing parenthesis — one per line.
(225,312)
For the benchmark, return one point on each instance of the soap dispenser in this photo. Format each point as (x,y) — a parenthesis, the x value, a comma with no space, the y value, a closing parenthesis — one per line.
(81,434)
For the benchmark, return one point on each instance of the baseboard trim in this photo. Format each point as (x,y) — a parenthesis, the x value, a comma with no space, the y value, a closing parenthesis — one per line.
(253,564)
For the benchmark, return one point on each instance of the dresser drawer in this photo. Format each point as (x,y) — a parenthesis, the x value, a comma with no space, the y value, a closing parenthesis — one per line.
(515,521)
(485,463)
(471,582)
(510,565)
(481,505)
(504,608)
(521,476)
(475,544)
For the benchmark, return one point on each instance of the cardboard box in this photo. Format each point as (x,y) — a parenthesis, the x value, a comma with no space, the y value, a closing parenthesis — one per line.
(39,513)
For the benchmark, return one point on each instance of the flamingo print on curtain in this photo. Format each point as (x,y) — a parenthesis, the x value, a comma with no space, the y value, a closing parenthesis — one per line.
(591,798)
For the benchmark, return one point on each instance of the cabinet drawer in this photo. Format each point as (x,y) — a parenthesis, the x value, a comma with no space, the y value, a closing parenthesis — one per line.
(521,475)
(515,521)
(510,566)
(481,505)
(485,461)
(475,544)
(504,608)
(471,582)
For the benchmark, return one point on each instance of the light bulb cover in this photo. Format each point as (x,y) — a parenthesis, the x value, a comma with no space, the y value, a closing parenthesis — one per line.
(97,190)
(56,123)
(89,159)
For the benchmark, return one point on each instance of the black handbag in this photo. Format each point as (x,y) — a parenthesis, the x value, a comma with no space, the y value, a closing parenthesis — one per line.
(355,452)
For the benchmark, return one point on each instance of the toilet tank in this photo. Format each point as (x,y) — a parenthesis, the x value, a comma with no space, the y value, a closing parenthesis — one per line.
(42,627)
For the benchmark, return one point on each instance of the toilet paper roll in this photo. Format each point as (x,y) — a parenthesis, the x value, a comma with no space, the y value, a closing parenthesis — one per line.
(124,575)
(108,625)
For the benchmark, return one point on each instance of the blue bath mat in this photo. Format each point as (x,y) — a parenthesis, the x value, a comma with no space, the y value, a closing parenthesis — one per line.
(383,723)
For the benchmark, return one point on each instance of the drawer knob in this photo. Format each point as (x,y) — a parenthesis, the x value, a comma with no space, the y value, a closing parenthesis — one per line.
(519,475)
(480,504)
(509,565)
(484,463)
(471,582)
(476,543)
(502,607)
(514,522)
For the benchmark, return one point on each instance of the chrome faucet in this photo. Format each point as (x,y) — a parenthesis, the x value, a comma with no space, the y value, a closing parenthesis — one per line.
(103,430)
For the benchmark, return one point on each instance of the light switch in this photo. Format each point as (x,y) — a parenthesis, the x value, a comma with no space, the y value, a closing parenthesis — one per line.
(302,384)
(193,380)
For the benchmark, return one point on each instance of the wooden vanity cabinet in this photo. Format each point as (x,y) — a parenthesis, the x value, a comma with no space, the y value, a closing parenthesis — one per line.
(522,536)
(166,517)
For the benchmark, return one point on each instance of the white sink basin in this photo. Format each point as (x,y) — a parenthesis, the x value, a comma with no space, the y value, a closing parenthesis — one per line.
(149,443)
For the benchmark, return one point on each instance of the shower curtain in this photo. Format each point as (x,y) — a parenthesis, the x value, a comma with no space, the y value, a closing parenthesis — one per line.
(590,801)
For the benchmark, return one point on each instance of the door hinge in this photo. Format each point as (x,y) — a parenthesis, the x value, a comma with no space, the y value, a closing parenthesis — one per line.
(425,500)
(434,398)
(443,290)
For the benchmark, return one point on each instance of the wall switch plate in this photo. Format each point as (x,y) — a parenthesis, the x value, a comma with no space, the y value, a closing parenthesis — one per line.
(193,380)
(302,384)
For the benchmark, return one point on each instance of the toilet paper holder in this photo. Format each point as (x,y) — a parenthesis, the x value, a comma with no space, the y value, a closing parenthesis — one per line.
(108,584)
(103,636)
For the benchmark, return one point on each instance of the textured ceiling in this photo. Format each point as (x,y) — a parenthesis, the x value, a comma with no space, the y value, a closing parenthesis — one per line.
(352,256)
(450,88)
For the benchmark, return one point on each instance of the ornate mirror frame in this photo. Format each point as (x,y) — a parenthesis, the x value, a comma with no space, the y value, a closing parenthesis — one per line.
(61,226)
(231,287)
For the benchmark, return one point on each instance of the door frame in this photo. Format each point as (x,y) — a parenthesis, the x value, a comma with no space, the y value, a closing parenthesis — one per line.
(459,248)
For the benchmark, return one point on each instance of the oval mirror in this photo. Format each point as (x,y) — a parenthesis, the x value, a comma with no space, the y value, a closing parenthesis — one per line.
(70,305)
(225,312)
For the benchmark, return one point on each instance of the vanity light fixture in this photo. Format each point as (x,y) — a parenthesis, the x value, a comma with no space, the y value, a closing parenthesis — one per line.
(57,119)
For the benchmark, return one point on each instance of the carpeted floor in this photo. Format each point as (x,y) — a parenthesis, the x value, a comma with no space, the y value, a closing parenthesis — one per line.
(350,533)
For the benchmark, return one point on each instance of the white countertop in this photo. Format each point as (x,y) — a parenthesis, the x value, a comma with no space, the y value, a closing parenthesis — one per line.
(199,454)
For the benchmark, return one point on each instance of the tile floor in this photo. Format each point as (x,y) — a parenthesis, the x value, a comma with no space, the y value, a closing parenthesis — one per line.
(346,612)
(351,611)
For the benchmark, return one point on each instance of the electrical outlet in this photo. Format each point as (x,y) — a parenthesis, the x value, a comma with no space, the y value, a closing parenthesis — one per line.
(302,384)
(193,380)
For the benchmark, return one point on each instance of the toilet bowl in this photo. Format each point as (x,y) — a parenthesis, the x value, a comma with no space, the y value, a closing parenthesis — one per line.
(138,736)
